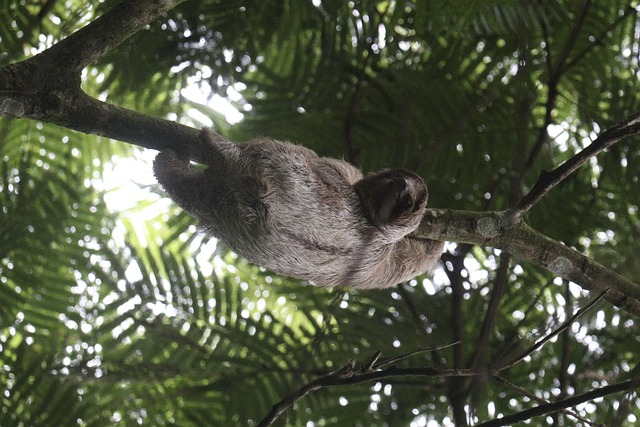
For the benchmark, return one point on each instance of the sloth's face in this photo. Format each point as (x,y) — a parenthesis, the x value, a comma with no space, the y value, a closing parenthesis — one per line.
(392,196)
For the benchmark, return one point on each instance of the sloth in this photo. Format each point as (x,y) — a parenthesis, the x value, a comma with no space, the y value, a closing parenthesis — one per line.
(284,207)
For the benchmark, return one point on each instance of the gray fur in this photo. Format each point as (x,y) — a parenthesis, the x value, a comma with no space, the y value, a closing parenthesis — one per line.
(285,208)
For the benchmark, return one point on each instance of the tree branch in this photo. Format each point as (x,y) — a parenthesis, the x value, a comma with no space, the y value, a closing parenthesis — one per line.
(499,230)
(540,400)
(103,34)
(46,87)
(548,180)
(555,71)
(561,404)
(538,344)
(375,370)
(347,375)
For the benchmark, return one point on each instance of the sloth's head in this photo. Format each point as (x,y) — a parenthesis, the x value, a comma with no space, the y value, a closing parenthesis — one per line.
(393,199)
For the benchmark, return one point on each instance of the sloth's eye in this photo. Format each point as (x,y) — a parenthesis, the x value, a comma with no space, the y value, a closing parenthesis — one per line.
(406,202)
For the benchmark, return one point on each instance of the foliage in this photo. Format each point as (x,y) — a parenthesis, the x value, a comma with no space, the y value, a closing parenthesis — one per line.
(109,320)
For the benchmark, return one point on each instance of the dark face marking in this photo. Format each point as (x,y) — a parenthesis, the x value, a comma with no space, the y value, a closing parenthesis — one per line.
(391,195)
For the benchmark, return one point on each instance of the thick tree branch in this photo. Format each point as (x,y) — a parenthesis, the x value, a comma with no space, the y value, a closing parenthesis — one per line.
(499,230)
(47,86)
(86,114)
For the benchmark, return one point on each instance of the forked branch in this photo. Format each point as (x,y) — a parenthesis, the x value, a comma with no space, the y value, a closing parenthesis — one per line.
(548,180)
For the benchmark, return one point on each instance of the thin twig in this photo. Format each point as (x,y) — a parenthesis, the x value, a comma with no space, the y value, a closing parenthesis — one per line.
(510,341)
(413,353)
(561,404)
(540,400)
(415,314)
(554,333)
(491,314)
(347,375)
(555,74)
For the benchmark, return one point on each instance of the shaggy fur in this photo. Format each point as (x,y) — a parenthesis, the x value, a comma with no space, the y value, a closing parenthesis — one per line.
(284,207)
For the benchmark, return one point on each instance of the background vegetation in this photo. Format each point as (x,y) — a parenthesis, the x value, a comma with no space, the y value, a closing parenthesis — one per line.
(121,313)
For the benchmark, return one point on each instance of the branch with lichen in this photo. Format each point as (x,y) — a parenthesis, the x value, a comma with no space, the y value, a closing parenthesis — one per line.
(504,231)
